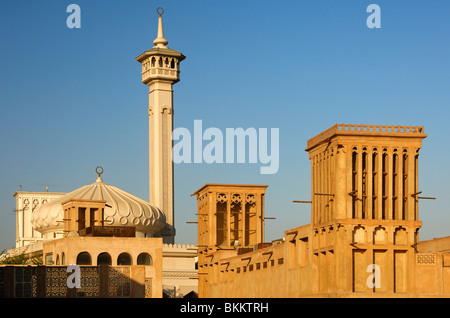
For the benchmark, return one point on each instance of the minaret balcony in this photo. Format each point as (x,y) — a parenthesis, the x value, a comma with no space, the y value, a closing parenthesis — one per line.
(164,73)
(160,64)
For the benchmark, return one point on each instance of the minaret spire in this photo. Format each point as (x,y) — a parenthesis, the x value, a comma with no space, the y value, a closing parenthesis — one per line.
(160,71)
(160,41)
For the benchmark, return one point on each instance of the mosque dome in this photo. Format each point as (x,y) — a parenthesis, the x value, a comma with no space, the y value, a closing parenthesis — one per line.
(122,209)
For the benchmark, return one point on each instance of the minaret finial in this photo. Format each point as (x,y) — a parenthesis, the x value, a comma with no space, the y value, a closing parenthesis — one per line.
(160,41)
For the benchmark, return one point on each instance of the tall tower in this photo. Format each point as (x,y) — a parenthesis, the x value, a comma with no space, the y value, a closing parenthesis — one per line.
(365,186)
(160,70)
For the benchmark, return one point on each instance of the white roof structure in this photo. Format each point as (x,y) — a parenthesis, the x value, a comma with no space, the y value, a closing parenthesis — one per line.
(122,209)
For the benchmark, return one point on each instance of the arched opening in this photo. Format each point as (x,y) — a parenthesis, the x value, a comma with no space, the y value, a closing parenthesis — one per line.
(395,178)
(84,258)
(384,184)
(104,259)
(379,235)
(400,236)
(144,259)
(124,259)
(374,184)
(63,259)
(354,182)
(359,234)
(57,259)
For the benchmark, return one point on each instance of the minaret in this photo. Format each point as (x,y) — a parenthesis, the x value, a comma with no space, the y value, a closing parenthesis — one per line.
(160,70)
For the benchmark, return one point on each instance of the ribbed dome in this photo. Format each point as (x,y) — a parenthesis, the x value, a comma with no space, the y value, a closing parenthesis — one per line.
(125,210)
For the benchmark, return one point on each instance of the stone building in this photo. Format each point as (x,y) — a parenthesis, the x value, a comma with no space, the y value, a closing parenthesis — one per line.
(363,240)
(26,203)
(101,225)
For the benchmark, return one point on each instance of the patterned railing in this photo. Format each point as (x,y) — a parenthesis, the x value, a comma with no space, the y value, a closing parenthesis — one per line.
(51,282)
(22,279)
(369,129)
(119,284)
(55,281)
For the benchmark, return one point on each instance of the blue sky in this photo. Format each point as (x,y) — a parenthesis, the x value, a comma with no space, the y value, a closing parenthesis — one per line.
(71,99)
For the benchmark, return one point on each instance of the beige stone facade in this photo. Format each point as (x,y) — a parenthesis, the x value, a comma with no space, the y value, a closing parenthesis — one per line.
(179,274)
(111,251)
(363,240)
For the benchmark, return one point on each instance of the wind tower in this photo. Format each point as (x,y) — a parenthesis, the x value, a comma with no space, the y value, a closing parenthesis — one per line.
(364,216)
(161,70)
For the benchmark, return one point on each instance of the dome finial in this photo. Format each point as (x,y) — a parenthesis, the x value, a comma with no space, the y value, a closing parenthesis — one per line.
(99,172)
(160,11)
(160,41)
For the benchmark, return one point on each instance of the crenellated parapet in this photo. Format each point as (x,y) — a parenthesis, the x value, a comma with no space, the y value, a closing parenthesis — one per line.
(365,130)
(179,247)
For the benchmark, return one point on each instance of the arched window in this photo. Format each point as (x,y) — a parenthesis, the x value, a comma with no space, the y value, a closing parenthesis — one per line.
(84,258)
(104,259)
(400,236)
(355,176)
(63,259)
(124,259)
(57,259)
(144,259)
(359,234)
(379,235)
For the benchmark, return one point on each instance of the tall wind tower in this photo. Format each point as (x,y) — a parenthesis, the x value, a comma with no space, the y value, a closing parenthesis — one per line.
(160,70)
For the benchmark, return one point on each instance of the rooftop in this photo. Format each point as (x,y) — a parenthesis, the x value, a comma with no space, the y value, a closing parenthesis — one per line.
(229,186)
(365,130)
